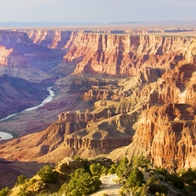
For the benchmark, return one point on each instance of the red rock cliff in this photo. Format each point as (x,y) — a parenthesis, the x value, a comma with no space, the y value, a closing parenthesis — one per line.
(166,129)
(55,39)
(123,54)
(20,57)
(105,110)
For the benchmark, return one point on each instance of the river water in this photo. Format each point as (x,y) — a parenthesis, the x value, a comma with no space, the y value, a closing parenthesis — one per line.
(4,135)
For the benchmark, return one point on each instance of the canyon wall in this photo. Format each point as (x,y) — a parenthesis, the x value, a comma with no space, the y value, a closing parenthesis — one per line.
(123,54)
(20,57)
(166,134)
(54,39)
(148,105)
(165,131)
(113,54)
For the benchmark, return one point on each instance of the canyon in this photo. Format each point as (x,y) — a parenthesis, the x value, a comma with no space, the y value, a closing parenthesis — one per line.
(116,95)
(16,94)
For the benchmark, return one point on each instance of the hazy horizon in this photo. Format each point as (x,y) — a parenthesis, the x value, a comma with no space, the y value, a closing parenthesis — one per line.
(96,11)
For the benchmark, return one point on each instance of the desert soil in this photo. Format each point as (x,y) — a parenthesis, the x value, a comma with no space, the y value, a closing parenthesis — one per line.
(109,186)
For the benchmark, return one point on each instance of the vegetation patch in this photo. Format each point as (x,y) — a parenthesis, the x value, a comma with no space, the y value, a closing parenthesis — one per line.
(81,177)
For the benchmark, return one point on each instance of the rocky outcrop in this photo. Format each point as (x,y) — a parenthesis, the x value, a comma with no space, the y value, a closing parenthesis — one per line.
(20,57)
(112,54)
(165,130)
(68,165)
(4,54)
(123,55)
(167,135)
(54,39)
(74,133)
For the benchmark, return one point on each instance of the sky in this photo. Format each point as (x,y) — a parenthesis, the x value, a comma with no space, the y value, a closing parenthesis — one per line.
(96,11)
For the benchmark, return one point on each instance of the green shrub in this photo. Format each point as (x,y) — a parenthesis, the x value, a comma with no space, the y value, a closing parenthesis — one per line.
(97,169)
(4,191)
(112,169)
(136,178)
(155,186)
(47,174)
(21,179)
(81,183)
(189,179)
(123,169)
(173,178)
(63,189)
(135,191)
(158,188)
(141,161)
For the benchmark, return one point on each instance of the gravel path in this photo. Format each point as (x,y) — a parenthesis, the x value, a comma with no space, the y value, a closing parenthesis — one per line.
(109,186)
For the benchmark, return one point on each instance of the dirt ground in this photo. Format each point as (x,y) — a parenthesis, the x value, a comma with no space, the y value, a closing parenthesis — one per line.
(109,186)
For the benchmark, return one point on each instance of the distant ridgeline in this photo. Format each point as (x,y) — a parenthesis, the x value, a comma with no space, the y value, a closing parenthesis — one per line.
(44,24)
(79,24)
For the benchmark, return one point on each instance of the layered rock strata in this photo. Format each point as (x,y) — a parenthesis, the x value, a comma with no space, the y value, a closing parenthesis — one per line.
(54,39)
(123,55)
(143,96)
(20,57)
(166,129)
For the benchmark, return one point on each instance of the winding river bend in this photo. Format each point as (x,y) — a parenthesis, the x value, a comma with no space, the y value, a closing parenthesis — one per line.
(4,135)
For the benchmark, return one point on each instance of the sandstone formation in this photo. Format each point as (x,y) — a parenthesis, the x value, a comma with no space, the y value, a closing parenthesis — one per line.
(167,135)
(85,134)
(130,92)
(20,57)
(166,129)
(123,55)
(54,39)
(104,126)
(111,53)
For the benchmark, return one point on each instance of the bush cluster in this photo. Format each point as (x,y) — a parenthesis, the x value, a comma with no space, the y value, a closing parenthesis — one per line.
(4,191)
(159,181)
(47,174)
(138,177)
(81,183)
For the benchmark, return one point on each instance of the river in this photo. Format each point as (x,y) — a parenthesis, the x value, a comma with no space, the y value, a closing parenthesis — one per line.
(4,135)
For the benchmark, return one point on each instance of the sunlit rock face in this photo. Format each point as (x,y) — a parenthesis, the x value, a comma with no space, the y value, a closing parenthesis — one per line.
(165,131)
(113,54)
(130,92)
(123,54)
(20,57)
(54,39)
